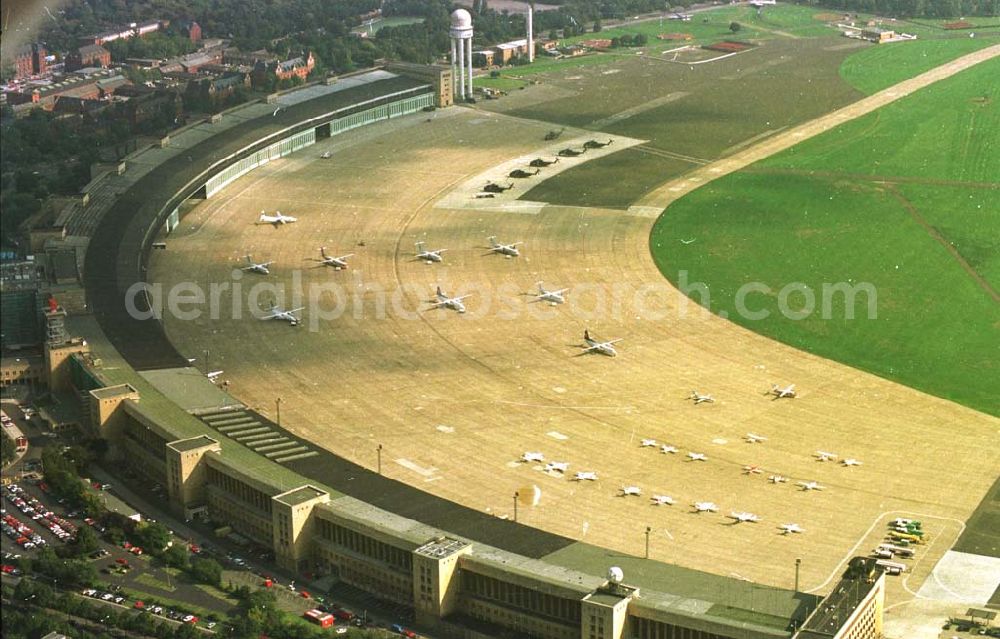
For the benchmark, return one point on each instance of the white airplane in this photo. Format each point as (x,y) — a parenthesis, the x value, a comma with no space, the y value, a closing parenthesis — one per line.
(697,457)
(277,219)
(648,443)
(777,479)
(662,500)
(559,467)
(593,346)
(585,475)
(705,507)
(791,528)
(667,448)
(429,256)
(752,470)
(507,250)
(338,263)
(850,461)
(276,312)
(256,268)
(743,517)
(809,485)
(213,375)
(552,297)
(532,457)
(454,303)
(326,155)
(698,398)
(822,455)
(754,439)
(781,393)
(631,491)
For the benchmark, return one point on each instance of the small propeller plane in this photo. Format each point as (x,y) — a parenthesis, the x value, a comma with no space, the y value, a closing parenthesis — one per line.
(823,456)
(256,268)
(754,439)
(507,250)
(809,485)
(429,256)
(782,393)
(631,491)
(648,443)
(752,470)
(850,461)
(277,219)
(454,303)
(585,475)
(552,297)
(705,507)
(276,312)
(791,528)
(604,348)
(777,479)
(338,263)
(559,467)
(326,155)
(532,457)
(698,398)
(740,517)
(697,457)
(667,448)
(662,500)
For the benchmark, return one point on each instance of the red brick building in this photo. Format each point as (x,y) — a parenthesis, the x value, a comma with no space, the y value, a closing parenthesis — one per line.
(89,55)
(29,60)
(192,31)
(298,67)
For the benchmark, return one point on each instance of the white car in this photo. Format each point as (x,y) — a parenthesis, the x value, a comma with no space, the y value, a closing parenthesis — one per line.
(341,630)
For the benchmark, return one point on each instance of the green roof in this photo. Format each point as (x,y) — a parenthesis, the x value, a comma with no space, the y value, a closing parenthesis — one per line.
(300,495)
(188,388)
(184,445)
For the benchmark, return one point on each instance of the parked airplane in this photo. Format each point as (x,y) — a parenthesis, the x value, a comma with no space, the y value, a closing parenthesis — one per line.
(454,303)
(850,461)
(697,457)
(338,263)
(754,439)
(705,507)
(256,268)
(648,443)
(429,256)
(791,528)
(532,457)
(213,375)
(743,517)
(781,393)
(667,448)
(277,313)
(277,219)
(585,475)
(631,491)
(822,455)
(604,348)
(777,479)
(552,297)
(326,155)
(508,250)
(559,467)
(752,470)
(662,500)
(699,398)
(809,485)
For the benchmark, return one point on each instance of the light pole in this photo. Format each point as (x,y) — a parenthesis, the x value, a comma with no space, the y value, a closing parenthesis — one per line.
(798,561)
(379,452)
(648,530)
(277,406)
(516,495)
(208,367)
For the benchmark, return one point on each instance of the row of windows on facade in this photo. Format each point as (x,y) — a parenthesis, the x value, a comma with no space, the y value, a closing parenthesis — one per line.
(521,598)
(239,490)
(365,545)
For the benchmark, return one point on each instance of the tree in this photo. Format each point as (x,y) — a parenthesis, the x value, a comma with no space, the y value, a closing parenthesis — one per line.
(86,540)
(153,537)
(176,556)
(597,26)
(207,571)
(735,27)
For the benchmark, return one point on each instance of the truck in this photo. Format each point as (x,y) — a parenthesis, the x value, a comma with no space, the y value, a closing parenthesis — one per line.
(891,567)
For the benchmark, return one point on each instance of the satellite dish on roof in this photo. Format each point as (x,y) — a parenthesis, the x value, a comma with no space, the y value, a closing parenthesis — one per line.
(615,575)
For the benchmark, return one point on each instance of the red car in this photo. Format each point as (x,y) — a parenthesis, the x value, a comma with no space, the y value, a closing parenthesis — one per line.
(305,594)
(139,605)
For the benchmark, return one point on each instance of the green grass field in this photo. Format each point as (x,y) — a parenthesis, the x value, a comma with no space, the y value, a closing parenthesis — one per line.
(877,67)
(907,199)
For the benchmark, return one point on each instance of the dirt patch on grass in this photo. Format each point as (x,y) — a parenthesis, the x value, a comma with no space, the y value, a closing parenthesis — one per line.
(729,46)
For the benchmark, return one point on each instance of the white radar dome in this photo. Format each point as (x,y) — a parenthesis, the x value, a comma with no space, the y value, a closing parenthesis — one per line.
(615,574)
(460,18)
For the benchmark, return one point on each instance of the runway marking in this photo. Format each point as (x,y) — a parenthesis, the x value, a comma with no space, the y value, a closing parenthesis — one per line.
(530,405)
(420,470)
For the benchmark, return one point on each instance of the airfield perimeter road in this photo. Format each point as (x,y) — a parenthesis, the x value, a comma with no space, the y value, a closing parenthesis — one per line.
(455,400)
